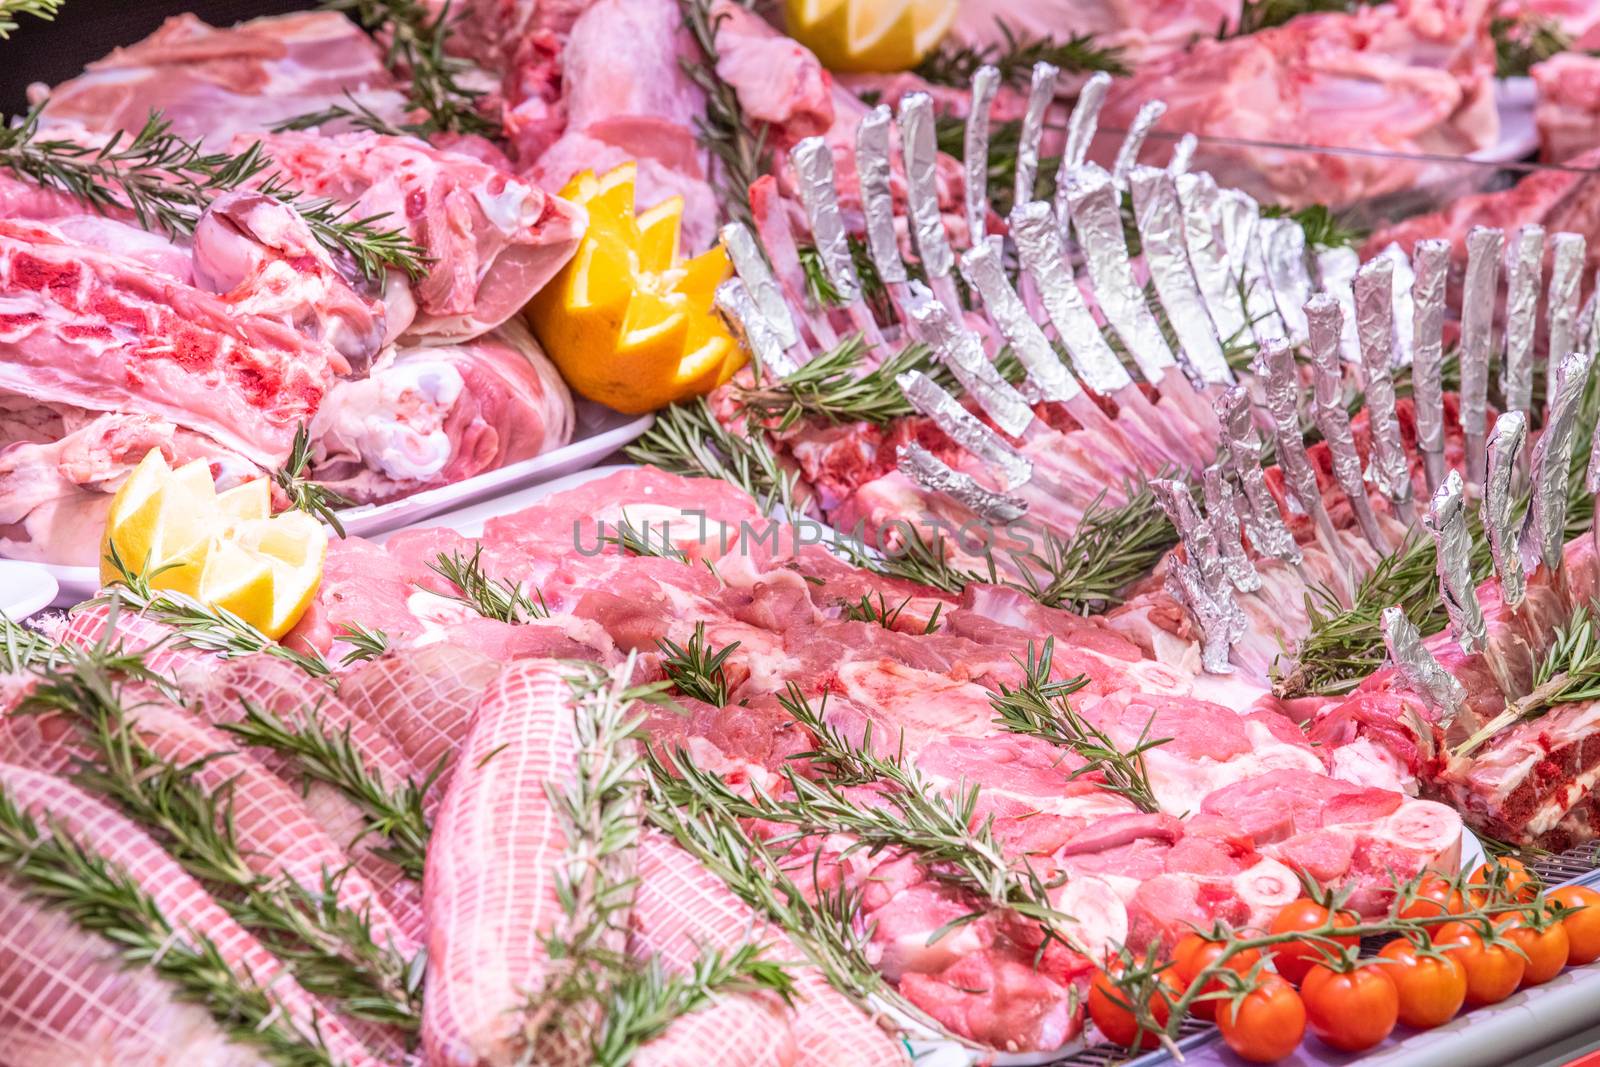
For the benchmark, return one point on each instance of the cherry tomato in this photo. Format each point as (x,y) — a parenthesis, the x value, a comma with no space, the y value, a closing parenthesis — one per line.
(1117,1022)
(1193,954)
(1434,896)
(1493,971)
(1267,1024)
(1353,1010)
(1432,989)
(1583,927)
(1516,882)
(1547,951)
(1294,958)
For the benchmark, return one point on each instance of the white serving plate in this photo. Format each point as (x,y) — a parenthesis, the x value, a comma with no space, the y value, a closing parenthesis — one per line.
(600,432)
(24,588)
(468,521)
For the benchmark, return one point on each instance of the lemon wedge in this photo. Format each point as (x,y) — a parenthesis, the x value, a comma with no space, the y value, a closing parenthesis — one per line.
(224,549)
(628,321)
(865,36)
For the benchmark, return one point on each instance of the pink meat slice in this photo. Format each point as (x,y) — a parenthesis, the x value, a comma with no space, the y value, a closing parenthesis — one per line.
(97,330)
(681,910)
(492,241)
(490,880)
(106,995)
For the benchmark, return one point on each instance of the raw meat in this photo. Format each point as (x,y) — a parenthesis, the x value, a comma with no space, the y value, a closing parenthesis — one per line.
(1145,30)
(492,241)
(1568,85)
(1410,77)
(213,83)
(436,414)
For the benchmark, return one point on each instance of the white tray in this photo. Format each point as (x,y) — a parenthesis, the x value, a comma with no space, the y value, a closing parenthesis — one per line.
(468,521)
(600,432)
(24,589)
(1514,98)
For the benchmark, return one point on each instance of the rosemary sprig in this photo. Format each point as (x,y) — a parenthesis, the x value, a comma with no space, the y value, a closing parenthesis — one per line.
(738,145)
(879,611)
(944,834)
(1039,707)
(356,114)
(873,290)
(924,561)
(198,625)
(51,866)
(167,182)
(697,669)
(1567,673)
(1520,41)
(638,542)
(315,500)
(365,644)
(39,9)
(415,38)
(330,949)
(1111,548)
(1015,58)
(834,387)
(493,598)
(22,648)
(1322,227)
(687,439)
(1005,136)
(645,1000)
(393,812)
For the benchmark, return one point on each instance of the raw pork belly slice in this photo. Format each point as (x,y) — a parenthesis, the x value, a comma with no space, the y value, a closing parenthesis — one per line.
(490,884)
(1568,85)
(436,414)
(96,330)
(682,910)
(492,241)
(214,83)
(108,998)
(1522,785)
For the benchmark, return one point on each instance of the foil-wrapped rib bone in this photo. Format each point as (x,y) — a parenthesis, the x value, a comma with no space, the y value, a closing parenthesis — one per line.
(1523,276)
(1566,277)
(1422,673)
(1138,132)
(877,196)
(958,423)
(750,263)
(1484,246)
(962,352)
(920,148)
(1081,126)
(1336,269)
(1045,263)
(1325,320)
(1223,512)
(1159,216)
(981,267)
(1041,91)
(935,476)
(1374,293)
(1446,520)
(1281,386)
(733,300)
(1241,449)
(1199,195)
(813,166)
(1500,524)
(1283,245)
(1552,463)
(1097,215)
(1404,309)
(1431,259)
(1182,154)
(975,150)
(1241,218)
(1199,581)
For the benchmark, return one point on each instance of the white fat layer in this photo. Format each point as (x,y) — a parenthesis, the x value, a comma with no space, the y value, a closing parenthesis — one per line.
(1563,800)
(1363,763)
(436,613)
(509,210)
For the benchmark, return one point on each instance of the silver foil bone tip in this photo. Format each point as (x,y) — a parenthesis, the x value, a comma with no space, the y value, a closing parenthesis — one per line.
(1325,320)
(935,476)
(1422,673)
(1283,247)
(1500,525)
(1199,195)
(962,352)
(1477,339)
(975,150)
(981,267)
(1158,214)
(1081,125)
(1222,509)
(750,263)
(1523,276)
(1374,294)
(1182,154)
(739,309)
(921,150)
(1241,450)
(813,166)
(1552,463)
(1446,520)
(1199,581)
(1041,91)
(1138,132)
(1431,261)
(958,423)
(877,197)
(1566,276)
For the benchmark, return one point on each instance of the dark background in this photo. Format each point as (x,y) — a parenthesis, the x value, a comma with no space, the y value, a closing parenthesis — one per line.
(85,30)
